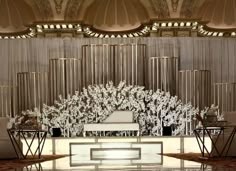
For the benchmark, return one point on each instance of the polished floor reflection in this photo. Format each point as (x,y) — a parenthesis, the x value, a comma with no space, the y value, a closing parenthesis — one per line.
(168,164)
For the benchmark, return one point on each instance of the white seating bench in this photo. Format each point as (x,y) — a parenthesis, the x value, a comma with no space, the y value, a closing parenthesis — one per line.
(111,127)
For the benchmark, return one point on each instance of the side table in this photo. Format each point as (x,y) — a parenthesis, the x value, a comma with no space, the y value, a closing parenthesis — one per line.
(16,135)
(207,131)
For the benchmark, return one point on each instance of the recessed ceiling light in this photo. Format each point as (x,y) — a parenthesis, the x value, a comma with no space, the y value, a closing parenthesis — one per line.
(51,26)
(188,24)
(163,24)
(63,26)
(45,26)
(169,24)
(58,26)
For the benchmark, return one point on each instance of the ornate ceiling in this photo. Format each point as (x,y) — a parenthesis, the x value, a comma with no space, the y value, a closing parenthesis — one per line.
(114,15)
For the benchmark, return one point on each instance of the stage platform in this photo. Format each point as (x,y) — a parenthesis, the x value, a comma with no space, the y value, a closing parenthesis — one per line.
(96,151)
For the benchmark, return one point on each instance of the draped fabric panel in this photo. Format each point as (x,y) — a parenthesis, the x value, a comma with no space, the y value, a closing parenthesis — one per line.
(32,55)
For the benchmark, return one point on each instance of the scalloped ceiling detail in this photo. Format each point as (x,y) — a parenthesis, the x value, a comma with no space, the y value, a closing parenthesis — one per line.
(221,14)
(116,15)
(14,15)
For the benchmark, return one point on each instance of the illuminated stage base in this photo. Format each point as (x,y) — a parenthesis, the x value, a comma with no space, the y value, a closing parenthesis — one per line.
(102,152)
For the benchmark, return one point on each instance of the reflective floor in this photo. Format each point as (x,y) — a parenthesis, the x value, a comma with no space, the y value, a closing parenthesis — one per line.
(167,164)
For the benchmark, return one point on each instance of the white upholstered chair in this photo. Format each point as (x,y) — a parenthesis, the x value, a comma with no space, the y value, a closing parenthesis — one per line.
(6,148)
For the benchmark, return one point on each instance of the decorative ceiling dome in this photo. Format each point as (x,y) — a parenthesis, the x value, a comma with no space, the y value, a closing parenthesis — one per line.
(115,15)
(14,15)
(221,14)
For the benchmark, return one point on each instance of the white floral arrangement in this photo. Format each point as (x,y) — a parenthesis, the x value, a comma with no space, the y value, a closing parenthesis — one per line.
(152,110)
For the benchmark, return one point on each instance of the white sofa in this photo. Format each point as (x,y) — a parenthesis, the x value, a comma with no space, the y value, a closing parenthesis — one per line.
(6,148)
(230,117)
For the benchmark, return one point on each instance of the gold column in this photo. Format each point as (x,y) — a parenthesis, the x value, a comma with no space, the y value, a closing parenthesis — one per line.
(8,101)
(163,73)
(32,90)
(224,96)
(195,87)
(130,63)
(64,77)
(97,64)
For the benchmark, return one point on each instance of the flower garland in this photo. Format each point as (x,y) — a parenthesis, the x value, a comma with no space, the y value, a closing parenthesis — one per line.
(151,110)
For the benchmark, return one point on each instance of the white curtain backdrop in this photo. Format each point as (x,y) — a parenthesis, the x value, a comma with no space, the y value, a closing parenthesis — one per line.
(32,55)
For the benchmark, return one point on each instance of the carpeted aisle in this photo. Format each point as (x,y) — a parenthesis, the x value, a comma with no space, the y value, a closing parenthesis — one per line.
(17,163)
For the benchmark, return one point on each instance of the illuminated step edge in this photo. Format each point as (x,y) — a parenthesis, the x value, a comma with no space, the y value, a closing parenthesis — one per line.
(115,153)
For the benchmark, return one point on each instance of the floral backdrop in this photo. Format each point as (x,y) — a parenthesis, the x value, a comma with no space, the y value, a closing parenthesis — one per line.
(152,110)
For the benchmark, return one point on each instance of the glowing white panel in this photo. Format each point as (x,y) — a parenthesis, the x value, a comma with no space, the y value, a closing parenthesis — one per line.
(168,146)
(191,145)
(115,153)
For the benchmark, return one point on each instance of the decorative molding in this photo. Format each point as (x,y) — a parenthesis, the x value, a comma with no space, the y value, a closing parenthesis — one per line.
(45,9)
(58,6)
(187,8)
(72,9)
(161,8)
(174,4)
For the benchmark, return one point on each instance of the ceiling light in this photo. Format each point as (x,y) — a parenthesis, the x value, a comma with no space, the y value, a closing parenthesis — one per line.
(124,35)
(169,24)
(181,24)
(39,30)
(119,36)
(220,34)
(233,34)
(101,36)
(58,26)
(107,36)
(39,26)
(6,37)
(70,26)
(96,35)
(45,26)
(63,26)
(23,36)
(51,26)
(176,24)
(112,36)
(188,24)
(210,33)
(154,28)
(136,34)
(0,37)
(215,34)
(163,24)
(130,35)
(156,24)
